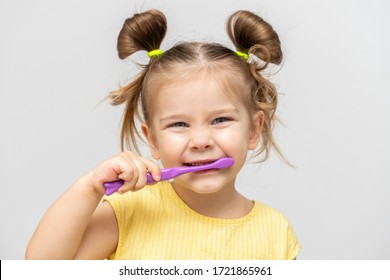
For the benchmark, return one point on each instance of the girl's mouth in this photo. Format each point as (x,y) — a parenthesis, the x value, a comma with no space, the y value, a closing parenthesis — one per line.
(199,163)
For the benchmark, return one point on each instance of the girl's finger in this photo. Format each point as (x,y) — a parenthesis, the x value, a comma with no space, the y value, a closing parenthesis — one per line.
(129,171)
(153,168)
(141,179)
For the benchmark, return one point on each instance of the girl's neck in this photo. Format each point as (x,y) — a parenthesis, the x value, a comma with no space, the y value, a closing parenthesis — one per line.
(225,204)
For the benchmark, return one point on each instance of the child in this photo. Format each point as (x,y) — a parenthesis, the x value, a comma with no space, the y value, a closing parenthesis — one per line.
(197,102)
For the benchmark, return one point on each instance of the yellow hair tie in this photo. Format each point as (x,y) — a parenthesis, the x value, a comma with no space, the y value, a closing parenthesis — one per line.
(241,54)
(156,53)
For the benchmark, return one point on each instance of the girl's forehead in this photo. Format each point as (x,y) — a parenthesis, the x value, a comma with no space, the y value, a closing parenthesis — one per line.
(201,90)
(223,81)
(204,89)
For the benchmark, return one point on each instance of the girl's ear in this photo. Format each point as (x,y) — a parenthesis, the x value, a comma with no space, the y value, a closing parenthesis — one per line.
(147,132)
(255,130)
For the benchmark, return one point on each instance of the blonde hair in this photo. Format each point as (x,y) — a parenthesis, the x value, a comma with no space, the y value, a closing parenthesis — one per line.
(249,33)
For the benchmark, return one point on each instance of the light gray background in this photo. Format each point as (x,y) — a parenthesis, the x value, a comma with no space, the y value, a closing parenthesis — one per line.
(58,61)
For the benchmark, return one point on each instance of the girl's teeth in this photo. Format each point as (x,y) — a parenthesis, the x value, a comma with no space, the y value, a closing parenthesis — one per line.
(197,164)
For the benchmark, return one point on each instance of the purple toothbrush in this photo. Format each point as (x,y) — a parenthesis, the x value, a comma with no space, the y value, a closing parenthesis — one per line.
(170,173)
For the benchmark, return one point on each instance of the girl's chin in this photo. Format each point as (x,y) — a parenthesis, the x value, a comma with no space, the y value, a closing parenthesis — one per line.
(202,190)
(202,185)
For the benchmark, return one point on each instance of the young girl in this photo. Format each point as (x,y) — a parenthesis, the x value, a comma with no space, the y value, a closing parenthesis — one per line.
(197,102)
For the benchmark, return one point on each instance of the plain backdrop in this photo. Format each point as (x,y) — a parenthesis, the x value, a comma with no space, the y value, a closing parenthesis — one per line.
(58,61)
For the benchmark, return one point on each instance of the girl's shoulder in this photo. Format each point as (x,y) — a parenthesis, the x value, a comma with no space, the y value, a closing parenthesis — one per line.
(270,215)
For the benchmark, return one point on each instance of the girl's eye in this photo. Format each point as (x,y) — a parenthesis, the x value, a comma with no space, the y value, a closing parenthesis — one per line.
(179,124)
(221,120)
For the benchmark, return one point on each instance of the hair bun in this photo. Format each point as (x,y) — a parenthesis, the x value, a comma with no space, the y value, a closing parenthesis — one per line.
(252,34)
(143,31)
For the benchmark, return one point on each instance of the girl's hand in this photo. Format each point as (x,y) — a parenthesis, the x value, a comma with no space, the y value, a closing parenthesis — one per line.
(126,166)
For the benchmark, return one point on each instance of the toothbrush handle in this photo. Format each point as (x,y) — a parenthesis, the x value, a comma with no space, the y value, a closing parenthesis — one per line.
(113,186)
(169,173)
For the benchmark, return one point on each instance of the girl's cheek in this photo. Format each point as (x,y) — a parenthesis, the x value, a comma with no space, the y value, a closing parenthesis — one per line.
(178,138)
(229,137)
(232,142)
(170,142)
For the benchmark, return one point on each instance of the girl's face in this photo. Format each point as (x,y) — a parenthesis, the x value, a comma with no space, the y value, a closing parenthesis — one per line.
(195,122)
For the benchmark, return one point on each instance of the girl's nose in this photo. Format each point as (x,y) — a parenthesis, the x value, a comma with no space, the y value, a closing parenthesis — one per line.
(201,140)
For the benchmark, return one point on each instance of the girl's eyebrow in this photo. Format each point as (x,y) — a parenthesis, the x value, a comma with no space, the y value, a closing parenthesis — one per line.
(229,110)
(172,117)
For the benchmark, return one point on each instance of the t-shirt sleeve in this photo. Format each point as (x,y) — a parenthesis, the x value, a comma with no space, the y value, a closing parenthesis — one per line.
(293,246)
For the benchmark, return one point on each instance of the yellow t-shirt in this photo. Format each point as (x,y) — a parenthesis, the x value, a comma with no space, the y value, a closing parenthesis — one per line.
(154,223)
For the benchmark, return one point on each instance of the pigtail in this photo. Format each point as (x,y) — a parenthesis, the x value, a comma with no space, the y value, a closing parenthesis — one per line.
(142,32)
(252,35)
